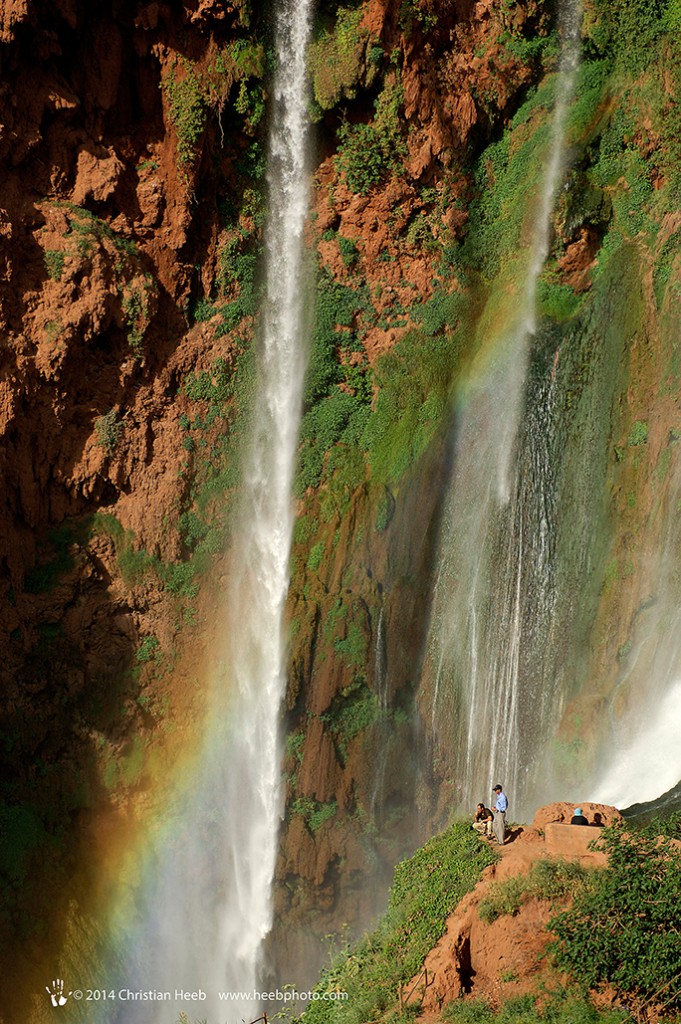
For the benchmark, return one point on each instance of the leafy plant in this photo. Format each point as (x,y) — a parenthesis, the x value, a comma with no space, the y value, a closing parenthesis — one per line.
(547,880)
(108,429)
(638,434)
(367,152)
(315,814)
(186,106)
(337,59)
(54,263)
(624,928)
(147,650)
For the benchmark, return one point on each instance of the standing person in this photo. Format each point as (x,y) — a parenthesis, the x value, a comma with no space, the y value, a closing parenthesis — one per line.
(499,813)
(482,822)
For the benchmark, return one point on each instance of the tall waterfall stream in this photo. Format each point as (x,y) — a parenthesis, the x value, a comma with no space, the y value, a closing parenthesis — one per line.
(492,692)
(205,917)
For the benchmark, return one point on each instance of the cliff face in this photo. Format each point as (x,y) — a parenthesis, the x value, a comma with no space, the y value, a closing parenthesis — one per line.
(132,167)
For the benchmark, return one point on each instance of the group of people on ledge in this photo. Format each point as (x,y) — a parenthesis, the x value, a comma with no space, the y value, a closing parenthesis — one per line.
(492,823)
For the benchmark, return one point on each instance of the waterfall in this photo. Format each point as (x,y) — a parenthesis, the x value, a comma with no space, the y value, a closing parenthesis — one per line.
(647,761)
(206,915)
(260,583)
(487,678)
(640,753)
(383,729)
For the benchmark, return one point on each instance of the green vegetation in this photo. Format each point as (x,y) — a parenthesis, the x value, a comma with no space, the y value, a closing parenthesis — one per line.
(337,391)
(315,814)
(147,650)
(337,59)
(546,880)
(367,152)
(561,1008)
(413,13)
(354,709)
(44,576)
(638,434)
(412,403)
(187,107)
(624,928)
(426,889)
(108,429)
(507,174)
(54,263)
(135,305)
(192,92)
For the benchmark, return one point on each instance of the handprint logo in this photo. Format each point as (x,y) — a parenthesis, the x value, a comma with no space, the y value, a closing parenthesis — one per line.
(56,993)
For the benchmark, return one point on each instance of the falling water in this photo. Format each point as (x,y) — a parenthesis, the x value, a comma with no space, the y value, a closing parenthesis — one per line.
(383,732)
(490,685)
(641,754)
(209,913)
(260,583)
(646,760)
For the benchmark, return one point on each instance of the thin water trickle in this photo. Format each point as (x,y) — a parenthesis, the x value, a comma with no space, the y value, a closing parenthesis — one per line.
(383,731)
(203,921)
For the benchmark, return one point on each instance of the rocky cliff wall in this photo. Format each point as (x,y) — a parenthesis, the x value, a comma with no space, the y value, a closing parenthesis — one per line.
(132,195)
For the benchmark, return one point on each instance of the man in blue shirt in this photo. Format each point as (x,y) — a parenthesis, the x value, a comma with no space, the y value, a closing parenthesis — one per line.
(499,813)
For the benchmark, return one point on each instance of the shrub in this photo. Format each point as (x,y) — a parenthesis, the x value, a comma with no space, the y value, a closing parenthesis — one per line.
(362,156)
(638,434)
(108,429)
(314,813)
(624,928)
(366,152)
(547,880)
(187,107)
(337,59)
(354,709)
(54,263)
(147,650)
(315,557)
(412,403)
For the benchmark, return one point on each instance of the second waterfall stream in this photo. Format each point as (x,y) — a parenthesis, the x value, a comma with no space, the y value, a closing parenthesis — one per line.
(487,693)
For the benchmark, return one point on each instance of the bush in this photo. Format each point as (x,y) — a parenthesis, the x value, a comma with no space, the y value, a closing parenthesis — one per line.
(426,889)
(108,429)
(366,152)
(624,928)
(638,434)
(54,263)
(547,880)
(187,107)
(362,156)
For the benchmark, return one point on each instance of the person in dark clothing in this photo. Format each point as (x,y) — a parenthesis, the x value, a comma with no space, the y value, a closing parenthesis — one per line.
(482,822)
(578,818)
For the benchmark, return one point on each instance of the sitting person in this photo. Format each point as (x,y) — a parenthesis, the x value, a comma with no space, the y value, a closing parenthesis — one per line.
(482,822)
(578,818)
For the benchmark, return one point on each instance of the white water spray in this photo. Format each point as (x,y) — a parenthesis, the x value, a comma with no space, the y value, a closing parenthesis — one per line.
(204,921)
(647,761)
(493,594)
